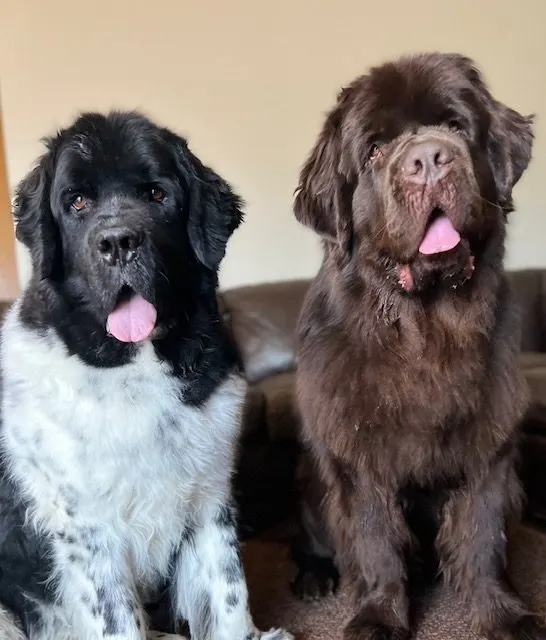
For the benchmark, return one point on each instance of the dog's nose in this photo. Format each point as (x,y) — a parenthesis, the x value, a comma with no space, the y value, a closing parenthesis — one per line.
(119,245)
(428,161)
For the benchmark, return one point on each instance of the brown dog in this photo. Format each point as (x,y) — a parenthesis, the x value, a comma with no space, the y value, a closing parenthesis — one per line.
(408,380)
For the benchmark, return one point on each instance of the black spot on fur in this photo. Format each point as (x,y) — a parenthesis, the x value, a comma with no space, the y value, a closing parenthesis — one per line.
(225,517)
(204,616)
(92,548)
(69,495)
(232,569)
(108,612)
(89,537)
(75,558)
(26,571)
(188,535)
(232,600)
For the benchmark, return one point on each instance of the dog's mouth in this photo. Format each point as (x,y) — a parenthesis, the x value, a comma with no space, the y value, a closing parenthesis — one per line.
(133,318)
(444,257)
(440,234)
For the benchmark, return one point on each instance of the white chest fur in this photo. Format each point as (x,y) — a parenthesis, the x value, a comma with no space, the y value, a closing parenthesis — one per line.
(114,446)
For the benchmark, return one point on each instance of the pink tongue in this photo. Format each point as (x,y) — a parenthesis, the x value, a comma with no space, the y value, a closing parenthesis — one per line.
(440,236)
(133,320)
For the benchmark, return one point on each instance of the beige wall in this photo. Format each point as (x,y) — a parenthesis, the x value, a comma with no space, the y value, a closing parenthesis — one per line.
(9,285)
(248,81)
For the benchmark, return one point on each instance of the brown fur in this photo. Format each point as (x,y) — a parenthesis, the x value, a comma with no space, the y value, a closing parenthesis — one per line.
(408,381)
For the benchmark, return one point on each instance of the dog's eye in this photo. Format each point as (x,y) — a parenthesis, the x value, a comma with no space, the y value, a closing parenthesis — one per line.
(455,125)
(79,202)
(157,194)
(374,151)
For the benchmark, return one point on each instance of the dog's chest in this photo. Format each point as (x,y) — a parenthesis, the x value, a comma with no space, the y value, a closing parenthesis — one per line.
(116,446)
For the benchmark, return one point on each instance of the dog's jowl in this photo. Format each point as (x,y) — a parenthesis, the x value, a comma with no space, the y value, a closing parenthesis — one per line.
(408,378)
(121,395)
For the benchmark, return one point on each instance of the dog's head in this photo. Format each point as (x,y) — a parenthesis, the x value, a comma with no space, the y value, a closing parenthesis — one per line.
(414,169)
(122,218)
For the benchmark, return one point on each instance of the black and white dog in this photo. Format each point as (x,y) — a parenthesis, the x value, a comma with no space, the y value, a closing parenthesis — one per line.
(121,394)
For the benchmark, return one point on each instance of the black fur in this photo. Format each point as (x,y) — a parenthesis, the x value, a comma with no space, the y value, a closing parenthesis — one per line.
(20,579)
(113,161)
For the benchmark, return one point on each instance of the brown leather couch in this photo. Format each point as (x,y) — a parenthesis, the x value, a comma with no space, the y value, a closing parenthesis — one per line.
(262,320)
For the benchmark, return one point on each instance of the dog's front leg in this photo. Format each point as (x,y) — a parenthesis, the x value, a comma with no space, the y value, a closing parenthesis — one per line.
(371,535)
(209,588)
(471,545)
(95,586)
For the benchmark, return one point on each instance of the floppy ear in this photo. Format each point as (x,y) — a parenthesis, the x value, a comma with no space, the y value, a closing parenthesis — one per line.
(323,196)
(509,141)
(215,211)
(35,226)
(509,145)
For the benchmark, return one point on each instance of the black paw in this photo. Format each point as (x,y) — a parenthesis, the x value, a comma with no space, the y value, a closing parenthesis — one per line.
(355,630)
(526,628)
(317,578)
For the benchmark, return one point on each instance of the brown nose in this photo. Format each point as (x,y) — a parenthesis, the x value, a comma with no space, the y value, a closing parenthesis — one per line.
(428,161)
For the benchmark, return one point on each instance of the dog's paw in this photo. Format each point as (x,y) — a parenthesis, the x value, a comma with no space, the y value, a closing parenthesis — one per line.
(309,587)
(357,631)
(316,580)
(273,634)
(526,628)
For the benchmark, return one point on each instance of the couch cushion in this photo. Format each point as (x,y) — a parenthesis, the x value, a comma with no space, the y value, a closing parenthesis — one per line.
(535,420)
(532,360)
(536,379)
(280,406)
(533,474)
(527,286)
(262,319)
(253,419)
(542,310)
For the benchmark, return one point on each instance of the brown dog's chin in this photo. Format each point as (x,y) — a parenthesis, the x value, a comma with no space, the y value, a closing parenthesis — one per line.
(446,270)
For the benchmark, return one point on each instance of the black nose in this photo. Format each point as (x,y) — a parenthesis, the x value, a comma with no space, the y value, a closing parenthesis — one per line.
(118,245)
(428,161)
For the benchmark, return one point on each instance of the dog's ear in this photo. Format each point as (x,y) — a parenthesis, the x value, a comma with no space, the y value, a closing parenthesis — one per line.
(323,195)
(215,211)
(35,225)
(510,145)
(509,141)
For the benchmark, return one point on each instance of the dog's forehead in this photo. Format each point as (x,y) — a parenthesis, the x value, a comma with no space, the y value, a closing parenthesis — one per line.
(104,147)
(413,91)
